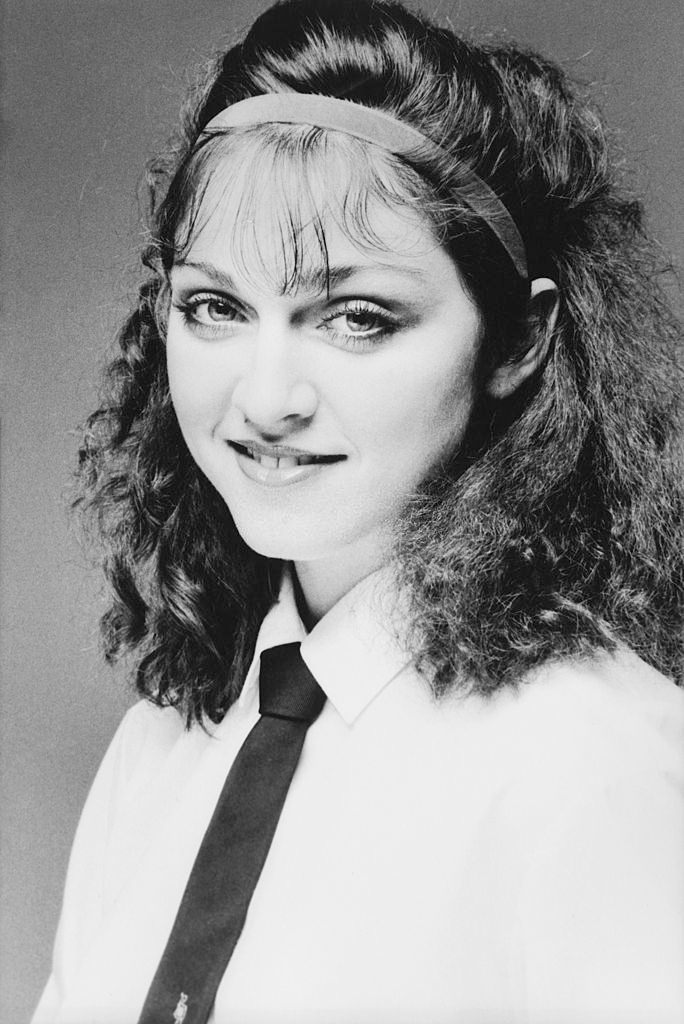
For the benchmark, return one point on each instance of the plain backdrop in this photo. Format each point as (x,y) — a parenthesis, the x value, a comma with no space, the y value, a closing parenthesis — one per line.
(90,89)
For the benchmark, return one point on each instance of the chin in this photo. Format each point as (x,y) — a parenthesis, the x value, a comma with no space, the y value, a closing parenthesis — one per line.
(303,538)
(282,544)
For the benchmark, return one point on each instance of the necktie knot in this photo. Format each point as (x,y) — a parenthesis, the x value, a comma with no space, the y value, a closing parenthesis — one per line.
(287,689)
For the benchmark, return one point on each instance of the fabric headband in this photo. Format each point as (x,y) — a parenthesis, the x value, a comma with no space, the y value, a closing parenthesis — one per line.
(380,129)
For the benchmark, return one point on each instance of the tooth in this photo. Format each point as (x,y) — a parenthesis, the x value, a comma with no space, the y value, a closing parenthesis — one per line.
(289,462)
(268,461)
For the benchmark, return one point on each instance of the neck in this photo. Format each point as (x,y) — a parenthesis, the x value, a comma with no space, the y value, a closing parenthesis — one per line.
(320,584)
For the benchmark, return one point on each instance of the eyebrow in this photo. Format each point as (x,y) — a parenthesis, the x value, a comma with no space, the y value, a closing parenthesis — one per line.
(316,280)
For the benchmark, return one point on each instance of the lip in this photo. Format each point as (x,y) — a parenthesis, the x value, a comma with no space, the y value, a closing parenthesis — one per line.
(281,451)
(277,476)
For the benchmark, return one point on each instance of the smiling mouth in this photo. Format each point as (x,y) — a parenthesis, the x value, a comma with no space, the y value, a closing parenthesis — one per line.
(281,457)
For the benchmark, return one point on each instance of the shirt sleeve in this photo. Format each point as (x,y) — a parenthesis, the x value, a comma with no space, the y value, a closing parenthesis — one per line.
(83,902)
(602,915)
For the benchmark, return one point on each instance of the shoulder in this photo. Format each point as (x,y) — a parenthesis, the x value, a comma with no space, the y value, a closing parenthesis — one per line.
(614,703)
(591,740)
(570,735)
(146,735)
(597,811)
(613,712)
(609,713)
(144,739)
(567,739)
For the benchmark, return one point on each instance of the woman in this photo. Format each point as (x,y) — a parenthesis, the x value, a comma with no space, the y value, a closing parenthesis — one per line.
(399,388)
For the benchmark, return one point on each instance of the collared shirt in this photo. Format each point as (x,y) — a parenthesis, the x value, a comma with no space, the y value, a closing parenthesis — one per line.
(508,860)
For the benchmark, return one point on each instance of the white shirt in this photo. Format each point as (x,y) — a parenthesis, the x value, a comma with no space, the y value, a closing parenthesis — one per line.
(471,861)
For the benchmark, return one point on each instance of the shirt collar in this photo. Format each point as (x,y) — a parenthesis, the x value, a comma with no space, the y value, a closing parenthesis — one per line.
(353,651)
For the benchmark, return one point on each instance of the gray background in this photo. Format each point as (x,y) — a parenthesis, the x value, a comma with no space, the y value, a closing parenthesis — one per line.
(90,88)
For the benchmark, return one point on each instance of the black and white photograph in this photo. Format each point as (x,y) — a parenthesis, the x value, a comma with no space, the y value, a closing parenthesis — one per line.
(341,504)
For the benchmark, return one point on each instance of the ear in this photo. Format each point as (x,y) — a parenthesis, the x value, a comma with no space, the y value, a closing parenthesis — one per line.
(541,318)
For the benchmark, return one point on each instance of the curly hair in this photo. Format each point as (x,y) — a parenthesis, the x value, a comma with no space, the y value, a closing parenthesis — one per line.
(553,531)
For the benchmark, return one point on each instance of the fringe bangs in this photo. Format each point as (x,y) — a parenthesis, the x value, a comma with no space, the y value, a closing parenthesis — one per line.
(312,178)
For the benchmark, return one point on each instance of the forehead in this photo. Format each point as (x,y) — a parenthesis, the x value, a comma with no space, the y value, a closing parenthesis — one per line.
(280,204)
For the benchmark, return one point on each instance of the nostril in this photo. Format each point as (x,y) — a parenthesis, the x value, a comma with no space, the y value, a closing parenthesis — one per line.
(272,404)
(268,436)
(273,432)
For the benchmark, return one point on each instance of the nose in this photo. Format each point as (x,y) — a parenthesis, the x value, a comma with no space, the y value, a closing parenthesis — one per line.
(273,393)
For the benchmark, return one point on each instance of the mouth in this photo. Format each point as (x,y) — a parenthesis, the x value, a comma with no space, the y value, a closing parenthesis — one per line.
(281,456)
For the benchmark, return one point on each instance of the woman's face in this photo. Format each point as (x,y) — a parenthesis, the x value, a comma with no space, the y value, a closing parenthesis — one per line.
(316,411)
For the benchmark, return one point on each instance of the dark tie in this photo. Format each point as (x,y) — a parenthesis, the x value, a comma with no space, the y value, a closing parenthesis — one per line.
(236,843)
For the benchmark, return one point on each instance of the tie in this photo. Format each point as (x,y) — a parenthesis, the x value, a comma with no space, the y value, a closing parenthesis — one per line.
(235,846)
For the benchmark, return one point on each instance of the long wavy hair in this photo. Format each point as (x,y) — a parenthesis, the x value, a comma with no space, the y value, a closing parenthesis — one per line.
(553,531)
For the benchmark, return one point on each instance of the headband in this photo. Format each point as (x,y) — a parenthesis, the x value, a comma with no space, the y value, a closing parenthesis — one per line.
(380,129)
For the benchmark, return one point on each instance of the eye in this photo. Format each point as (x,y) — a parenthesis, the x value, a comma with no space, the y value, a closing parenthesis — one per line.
(207,312)
(359,321)
(212,311)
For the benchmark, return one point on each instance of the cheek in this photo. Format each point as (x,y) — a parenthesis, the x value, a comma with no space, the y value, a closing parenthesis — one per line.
(423,410)
(198,388)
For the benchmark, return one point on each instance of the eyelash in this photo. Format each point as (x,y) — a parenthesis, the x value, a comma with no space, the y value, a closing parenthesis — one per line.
(188,309)
(386,324)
